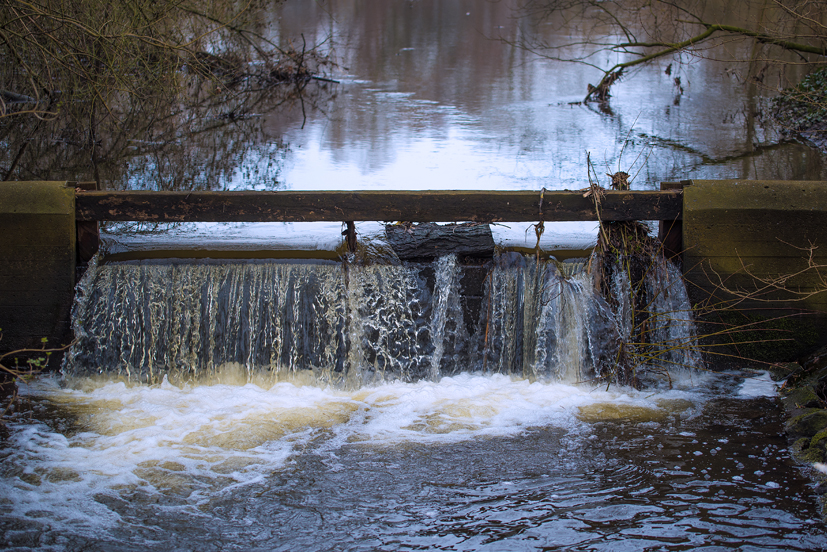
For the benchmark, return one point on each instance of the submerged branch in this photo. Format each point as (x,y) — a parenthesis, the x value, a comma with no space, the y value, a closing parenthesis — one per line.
(644,31)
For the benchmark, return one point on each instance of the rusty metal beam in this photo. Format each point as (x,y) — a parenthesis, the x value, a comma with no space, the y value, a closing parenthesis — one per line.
(414,206)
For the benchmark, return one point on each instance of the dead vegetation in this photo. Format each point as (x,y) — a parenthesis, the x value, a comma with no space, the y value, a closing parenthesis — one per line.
(86,85)
(20,366)
(728,329)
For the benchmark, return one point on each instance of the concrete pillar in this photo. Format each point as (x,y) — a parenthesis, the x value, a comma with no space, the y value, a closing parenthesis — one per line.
(738,232)
(37,263)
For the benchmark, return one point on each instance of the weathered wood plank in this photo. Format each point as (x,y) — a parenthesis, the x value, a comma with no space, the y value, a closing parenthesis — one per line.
(414,206)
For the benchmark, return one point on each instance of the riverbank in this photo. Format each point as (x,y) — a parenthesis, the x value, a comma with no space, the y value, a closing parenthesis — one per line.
(804,395)
(802,110)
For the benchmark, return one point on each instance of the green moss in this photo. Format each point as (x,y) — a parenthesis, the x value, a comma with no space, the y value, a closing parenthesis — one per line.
(819,440)
(801,397)
(811,422)
(769,339)
(805,454)
(800,445)
(813,455)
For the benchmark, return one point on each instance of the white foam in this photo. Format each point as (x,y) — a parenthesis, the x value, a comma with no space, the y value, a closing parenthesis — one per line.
(758,386)
(195,441)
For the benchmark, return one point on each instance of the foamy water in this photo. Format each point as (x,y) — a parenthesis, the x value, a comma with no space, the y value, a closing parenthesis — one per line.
(206,438)
(759,386)
(105,462)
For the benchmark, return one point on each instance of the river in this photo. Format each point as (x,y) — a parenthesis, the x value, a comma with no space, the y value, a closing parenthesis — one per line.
(470,462)
(427,98)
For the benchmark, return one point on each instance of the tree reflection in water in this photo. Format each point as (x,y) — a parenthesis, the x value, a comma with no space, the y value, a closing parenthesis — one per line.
(148,95)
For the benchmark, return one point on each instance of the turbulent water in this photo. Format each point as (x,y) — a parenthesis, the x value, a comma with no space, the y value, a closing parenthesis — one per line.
(278,406)
(346,324)
(466,463)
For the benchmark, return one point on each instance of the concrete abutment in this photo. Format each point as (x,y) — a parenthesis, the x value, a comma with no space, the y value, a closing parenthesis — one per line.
(764,242)
(37,272)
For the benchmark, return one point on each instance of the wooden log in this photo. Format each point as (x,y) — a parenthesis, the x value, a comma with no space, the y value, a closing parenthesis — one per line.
(428,240)
(415,206)
(350,236)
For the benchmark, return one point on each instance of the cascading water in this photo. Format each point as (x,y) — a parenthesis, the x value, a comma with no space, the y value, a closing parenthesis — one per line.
(542,324)
(448,332)
(189,321)
(351,324)
(673,333)
(322,406)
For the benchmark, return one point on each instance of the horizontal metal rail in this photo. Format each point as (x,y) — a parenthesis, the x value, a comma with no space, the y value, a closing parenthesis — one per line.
(413,206)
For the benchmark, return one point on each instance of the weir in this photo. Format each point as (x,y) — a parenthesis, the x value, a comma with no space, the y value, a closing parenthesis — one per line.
(420,368)
(718,230)
(350,325)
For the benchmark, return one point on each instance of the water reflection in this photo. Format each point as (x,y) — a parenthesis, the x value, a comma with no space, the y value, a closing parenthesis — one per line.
(200,133)
(431,101)
(433,96)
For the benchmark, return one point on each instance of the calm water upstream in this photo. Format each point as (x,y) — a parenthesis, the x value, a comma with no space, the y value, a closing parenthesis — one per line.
(430,98)
(466,459)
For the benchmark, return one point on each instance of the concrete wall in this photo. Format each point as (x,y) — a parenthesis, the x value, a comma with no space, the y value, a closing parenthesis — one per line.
(37,263)
(736,232)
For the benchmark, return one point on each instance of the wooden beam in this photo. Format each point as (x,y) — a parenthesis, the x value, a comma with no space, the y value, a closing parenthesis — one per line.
(414,206)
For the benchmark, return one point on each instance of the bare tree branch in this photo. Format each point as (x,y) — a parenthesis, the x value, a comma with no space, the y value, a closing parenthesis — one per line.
(668,27)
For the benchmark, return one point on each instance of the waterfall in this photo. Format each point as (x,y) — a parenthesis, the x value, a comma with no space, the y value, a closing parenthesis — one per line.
(673,327)
(544,324)
(448,332)
(349,325)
